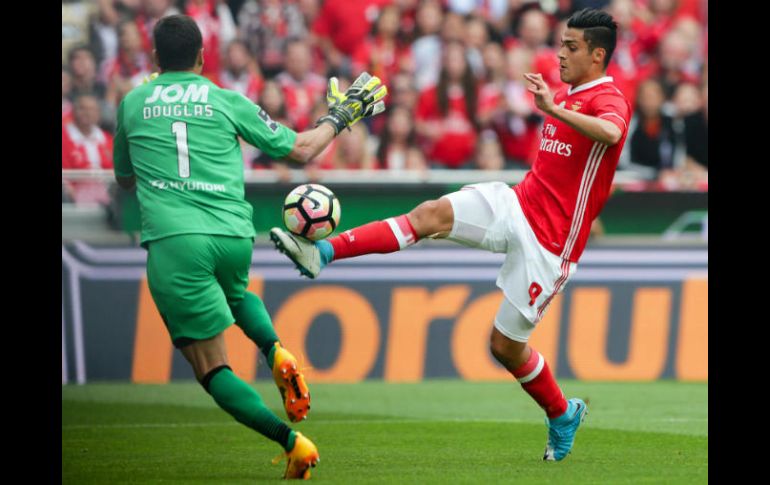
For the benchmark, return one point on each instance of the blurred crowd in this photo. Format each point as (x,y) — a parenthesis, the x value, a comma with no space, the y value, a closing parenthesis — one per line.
(453,68)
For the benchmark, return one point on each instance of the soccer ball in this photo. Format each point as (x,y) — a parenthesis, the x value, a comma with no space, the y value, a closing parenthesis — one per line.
(311,211)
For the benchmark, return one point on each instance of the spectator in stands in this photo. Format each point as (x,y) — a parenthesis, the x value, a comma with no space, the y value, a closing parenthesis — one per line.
(507,23)
(453,28)
(301,87)
(505,107)
(241,72)
(148,15)
(407,21)
(426,49)
(489,153)
(352,151)
(630,64)
(446,112)
(265,26)
(383,54)
(66,104)
(398,149)
(217,27)
(692,107)
(403,91)
(655,142)
(341,26)
(693,35)
(519,128)
(105,24)
(82,68)
(128,68)
(486,9)
(692,118)
(310,9)
(476,37)
(491,106)
(675,54)
(272,101)
(534,33)
(86,146)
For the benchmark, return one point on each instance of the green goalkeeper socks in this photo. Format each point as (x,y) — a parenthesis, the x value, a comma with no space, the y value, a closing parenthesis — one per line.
(251,315)
(243,403)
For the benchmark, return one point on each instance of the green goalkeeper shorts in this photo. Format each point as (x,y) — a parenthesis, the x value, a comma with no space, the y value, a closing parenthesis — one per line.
(194,278)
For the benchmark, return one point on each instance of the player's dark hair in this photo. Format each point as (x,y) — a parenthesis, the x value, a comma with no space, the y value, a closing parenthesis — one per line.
(599,30)
(177,42)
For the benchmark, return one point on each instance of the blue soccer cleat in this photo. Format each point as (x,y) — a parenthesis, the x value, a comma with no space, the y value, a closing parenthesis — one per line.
(561,430)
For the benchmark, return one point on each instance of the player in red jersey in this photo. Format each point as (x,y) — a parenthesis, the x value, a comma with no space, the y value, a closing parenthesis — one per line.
(542,225)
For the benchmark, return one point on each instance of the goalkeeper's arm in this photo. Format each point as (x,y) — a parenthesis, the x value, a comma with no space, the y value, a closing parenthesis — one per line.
(362,99)
(309,144)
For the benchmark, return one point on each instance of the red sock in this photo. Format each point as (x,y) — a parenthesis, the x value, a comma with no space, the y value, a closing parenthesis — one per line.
(385,236)
(536,378)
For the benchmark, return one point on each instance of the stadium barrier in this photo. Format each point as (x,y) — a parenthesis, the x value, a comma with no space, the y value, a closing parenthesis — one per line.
(629,314)
(366,195)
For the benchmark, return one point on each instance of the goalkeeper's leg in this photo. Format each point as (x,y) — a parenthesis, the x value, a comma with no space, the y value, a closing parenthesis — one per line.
(208,359)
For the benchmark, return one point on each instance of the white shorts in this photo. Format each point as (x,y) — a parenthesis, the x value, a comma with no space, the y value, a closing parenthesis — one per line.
(488,216)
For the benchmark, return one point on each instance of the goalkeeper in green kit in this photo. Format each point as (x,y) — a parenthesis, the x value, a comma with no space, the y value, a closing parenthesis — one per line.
(177,143)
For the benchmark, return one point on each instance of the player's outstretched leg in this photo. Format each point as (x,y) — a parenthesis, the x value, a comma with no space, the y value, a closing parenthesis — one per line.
(431,218)
(209,361)
(253,318)
(531,371)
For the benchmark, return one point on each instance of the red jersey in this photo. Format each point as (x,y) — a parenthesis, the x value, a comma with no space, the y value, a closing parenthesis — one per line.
(570,180)
(347,23)
(457,136)
(300,97)
(85,152)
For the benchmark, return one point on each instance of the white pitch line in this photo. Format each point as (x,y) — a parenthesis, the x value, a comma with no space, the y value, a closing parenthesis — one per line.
(336,422)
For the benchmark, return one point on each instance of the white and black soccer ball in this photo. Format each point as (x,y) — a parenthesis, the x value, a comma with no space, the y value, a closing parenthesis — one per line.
(311,211)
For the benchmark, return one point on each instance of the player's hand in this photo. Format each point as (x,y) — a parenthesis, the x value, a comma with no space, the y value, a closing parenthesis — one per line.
(362,99)
(334,97)
(543,95)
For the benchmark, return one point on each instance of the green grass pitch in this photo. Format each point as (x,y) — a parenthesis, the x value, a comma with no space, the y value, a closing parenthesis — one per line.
(438,431)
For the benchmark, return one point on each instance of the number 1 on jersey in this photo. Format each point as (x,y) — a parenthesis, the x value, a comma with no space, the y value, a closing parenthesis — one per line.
(179,128)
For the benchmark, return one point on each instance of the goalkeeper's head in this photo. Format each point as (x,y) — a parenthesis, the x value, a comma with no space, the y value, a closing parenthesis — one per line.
(178,44)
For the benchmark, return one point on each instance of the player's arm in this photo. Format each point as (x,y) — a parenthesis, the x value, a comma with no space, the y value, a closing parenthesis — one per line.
(255,126)
(595,128)
(124,171)
(362,99)
(309,144)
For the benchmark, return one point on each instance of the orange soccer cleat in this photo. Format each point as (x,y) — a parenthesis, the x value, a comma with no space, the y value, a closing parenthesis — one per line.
(291,383)
(301,458)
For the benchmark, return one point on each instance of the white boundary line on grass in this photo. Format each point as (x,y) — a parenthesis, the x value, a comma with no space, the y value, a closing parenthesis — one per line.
(343,421)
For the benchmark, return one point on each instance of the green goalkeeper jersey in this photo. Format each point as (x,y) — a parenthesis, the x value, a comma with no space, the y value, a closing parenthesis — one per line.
(178,134)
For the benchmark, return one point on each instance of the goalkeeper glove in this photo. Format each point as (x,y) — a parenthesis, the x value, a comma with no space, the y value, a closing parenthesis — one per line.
(362,99)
